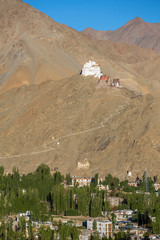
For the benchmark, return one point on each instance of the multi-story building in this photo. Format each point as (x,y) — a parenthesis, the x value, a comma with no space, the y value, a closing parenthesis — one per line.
(104,227)
(84,181)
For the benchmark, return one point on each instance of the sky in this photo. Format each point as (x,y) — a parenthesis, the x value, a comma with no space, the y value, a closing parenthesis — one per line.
(98,14)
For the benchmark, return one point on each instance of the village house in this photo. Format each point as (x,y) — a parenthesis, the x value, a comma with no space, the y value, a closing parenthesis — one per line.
(115,201)
(156,186)
(154,236)
(122,223)
(129,173)
(26,216)
(103,82)
(115,83)
(15,225)
(133,184)
(102,187)
(37,225)
(104,227)
(85,234)
(140,231)
(124,214)
(134,237)
(84,181)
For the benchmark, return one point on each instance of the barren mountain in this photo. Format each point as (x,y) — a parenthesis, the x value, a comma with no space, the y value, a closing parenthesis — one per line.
(136,31)
(49,113)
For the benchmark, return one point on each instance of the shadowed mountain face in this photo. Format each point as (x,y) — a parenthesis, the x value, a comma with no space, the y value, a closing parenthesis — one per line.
(50,114)
(136,31)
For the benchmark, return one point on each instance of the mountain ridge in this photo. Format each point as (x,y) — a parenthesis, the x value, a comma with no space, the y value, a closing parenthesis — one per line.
(136,31)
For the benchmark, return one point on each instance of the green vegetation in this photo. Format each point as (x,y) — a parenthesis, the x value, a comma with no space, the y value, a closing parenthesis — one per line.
(122,236)
(63,231)
(112,182)
(44,194)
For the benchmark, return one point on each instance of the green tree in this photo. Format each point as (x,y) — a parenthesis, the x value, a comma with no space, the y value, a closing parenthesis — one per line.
(22,227)
(120,236)
(68,179)
(43,169)
(94,225)
(58,178)
(96,179)
(146,236)
(1,170)
(95,236)
(113,220)
(3,231)
(64,231)
(45,233)
(74,233)
(30,231)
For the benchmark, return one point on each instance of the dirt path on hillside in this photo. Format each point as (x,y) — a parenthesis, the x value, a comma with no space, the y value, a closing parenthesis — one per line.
(46,147)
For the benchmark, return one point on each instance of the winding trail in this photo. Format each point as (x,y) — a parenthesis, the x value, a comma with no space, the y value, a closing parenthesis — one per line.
(26,154)
(101,125)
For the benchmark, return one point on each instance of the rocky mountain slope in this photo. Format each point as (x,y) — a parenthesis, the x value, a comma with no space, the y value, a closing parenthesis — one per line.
(51,114)
(136,31)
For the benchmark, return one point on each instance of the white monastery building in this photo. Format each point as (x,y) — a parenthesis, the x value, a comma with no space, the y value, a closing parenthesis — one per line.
(91,69)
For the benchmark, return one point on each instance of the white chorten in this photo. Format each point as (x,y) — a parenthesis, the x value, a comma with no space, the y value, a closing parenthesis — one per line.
(91,69)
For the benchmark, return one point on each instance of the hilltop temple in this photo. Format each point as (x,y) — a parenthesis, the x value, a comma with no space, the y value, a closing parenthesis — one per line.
(91,69)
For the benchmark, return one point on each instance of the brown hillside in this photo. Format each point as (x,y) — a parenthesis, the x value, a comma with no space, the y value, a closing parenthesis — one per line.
(51,114)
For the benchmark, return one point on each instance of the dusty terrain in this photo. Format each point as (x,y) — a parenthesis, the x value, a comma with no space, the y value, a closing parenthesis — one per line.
(49,113)
(136,31)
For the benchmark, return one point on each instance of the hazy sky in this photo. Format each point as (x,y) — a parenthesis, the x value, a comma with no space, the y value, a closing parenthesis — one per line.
(98,14)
